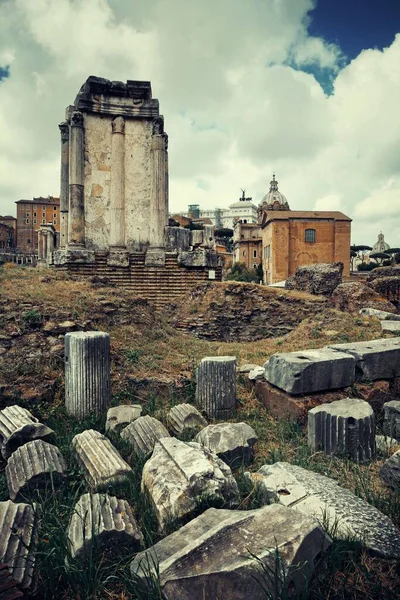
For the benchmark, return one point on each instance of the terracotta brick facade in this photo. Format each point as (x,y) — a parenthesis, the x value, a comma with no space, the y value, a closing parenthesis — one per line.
(6,237)
(247,244)
(294,238)
(31,214)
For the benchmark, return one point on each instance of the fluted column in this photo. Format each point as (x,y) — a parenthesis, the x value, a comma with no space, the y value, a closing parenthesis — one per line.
(76,223)
(117,225)
(64,183)
(159,194)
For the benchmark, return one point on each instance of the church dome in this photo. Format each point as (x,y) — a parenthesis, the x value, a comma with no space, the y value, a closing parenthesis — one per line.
(274,199)
(381,245)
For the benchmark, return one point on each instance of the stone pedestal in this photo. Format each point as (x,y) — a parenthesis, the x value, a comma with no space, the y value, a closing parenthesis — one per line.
(345,427)
(216,386)
(87,372)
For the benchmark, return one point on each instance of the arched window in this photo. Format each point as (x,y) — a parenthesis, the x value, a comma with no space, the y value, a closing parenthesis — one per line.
(310,235)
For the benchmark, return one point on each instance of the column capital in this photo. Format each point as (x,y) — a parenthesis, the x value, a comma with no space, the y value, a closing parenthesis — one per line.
(64,129)
(77,119)
(118,125)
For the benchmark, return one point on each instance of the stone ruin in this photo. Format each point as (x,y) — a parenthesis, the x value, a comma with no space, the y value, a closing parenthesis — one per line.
(114,197)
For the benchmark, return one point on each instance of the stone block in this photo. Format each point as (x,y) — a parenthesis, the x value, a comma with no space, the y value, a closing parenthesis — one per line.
(279,403)
(345,427)
(118,258)
(18,426)
(180,475)
(390,471)
(102,520)
(257,373)
(334,506)
(310,371)
(87,373)
(391,419)
(208,237)
(143,434)
(212,557)
(377,359)
(101,463)
(231,442)
(155,257)
(177,238)
(216,386)
(196,237)
(185,418)
(199,257)
(321,278)
(18,533)
(382,315)
(36,465)
(120,416)
(391,327)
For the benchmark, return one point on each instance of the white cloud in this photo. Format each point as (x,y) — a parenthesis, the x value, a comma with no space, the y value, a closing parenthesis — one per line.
(233,108)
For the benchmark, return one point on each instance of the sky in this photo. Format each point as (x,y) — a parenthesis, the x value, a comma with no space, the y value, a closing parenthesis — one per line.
(308,89)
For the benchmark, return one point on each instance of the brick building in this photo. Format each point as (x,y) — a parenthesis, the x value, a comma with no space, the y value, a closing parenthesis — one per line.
(247,244)
(8,232)
(31,214)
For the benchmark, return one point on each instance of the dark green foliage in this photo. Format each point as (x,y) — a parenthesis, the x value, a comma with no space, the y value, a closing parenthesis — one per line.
(367,266)
(240,272)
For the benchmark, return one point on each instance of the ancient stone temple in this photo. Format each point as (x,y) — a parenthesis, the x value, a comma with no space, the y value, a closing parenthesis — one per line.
(114,195)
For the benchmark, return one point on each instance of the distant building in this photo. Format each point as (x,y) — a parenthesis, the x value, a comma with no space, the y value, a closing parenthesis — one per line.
(380,245)
(31,214)
(247,244)
(8,232)
(244,210)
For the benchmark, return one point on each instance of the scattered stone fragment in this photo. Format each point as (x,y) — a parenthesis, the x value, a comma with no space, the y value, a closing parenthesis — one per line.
(345,427)
(36,465)
(256,373)
(231,442)
(100,462)
(102,519)
(310,371)
(377,359)
(18,426)
(87,372)
(382,315)
(386,445)
(390,471)
(334,506)
(185,417)
(118,416)
(180,475)
(18,533)
(391,420)
(212,557)
(9,589)
(243,369)
(391,326)
(216,386)
(143,434)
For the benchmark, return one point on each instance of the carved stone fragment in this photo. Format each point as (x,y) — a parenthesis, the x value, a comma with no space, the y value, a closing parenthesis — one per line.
(231,442)
(35,466)
(17,526)
(212,557)
(345,427)
(216,386)
(336,507)
(143,434)
(101,463)
(18,426)
(180,475)
(184,417)
(120,416)
(87,372)
(101,519)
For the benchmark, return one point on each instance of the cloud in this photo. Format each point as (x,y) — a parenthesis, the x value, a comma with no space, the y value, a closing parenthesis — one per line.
(239,87)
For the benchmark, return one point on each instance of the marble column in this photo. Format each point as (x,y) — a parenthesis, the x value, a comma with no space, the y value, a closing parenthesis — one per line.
(117,192)
(76,221)
(159,195)
(64,183)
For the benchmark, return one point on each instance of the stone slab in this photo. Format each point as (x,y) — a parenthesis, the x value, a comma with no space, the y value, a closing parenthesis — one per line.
(121,416)
(231,442)
(212,557)
(377,359)
(309,371)
(143,434)
(382,315)
(180,475)
(18,426)
(100,519)
(334,506)
(100,461)
(34,466)
(391,326)
(18,532)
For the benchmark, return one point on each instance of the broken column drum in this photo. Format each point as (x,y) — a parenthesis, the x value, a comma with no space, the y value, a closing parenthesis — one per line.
(87,372)
(18,532)
(345,427)
(216,386)
(18,426)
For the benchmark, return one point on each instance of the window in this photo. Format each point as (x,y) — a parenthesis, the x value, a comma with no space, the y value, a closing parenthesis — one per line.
(255,266)
(244,252)
(254,253)
(27,213)
(27,221)
(310,235)
(55,208)
(55,216)
(55,221)
(43,221)
(34,221)
(267,252)
(28,241)
(34,214)
(43,208)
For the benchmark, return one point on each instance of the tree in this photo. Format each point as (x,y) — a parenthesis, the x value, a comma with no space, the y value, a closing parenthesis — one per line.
(226,236)
(360,252)
(379,256)
(239,272)
(394,254)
